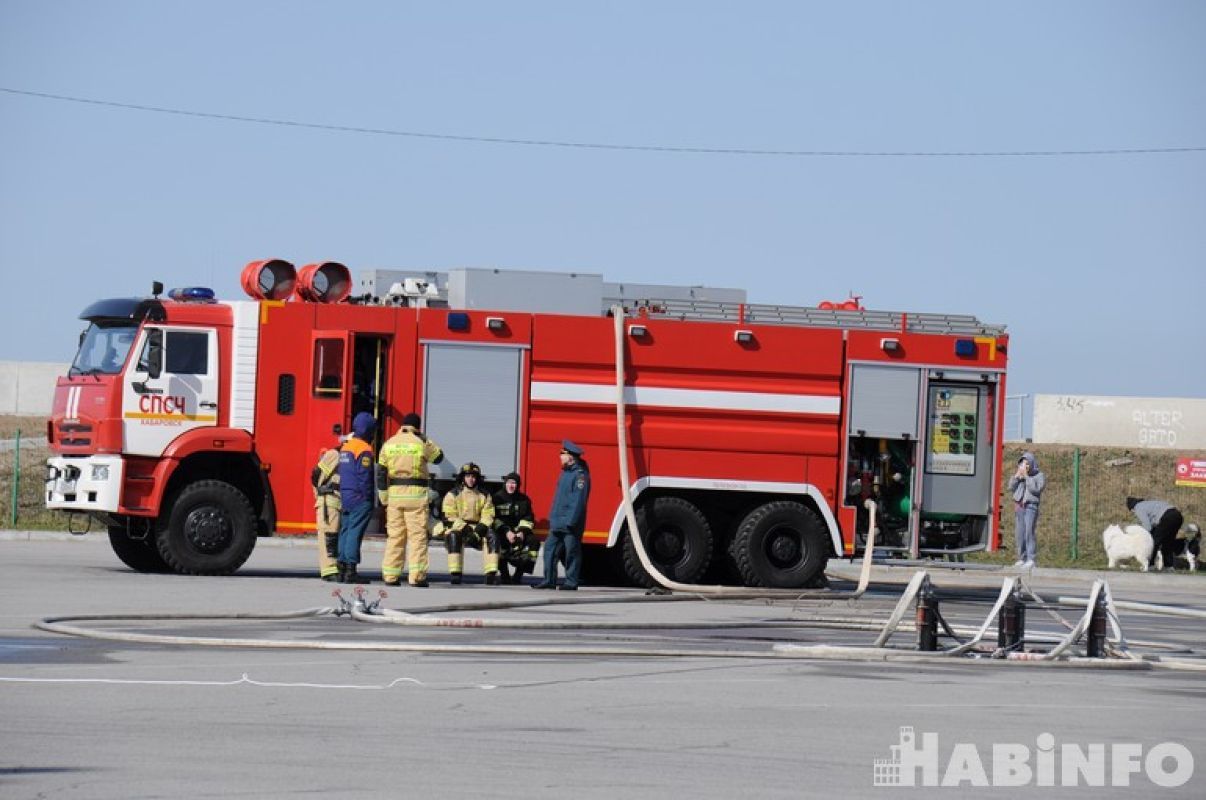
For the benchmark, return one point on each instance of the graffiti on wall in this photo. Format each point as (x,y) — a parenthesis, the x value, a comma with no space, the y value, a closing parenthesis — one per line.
(1146,422)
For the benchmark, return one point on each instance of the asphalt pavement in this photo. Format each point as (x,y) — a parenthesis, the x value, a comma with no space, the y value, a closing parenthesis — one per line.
(92,718)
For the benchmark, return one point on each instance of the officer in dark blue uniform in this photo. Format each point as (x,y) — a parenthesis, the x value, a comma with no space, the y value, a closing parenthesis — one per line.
(356,486)
(567,519)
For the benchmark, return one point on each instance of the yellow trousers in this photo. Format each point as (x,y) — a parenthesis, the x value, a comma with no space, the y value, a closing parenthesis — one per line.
(456,560)
(406,534)
(326,517)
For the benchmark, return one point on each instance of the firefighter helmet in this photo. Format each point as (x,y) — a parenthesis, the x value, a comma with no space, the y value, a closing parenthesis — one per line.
(469,468)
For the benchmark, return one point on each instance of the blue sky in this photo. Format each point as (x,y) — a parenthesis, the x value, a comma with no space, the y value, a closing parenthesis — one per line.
(1095,263)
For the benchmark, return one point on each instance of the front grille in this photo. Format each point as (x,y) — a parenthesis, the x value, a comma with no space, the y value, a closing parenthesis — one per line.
(74,434)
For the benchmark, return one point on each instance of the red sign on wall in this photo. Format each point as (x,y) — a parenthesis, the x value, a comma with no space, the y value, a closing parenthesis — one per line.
(1191,472)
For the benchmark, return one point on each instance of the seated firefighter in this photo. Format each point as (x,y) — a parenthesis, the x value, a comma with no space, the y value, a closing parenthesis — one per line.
(468,515)
(514,530)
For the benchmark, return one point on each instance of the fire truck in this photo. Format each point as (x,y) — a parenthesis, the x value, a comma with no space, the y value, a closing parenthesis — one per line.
(760,440)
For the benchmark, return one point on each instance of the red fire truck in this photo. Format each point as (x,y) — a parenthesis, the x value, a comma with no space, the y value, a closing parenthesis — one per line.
(756,434)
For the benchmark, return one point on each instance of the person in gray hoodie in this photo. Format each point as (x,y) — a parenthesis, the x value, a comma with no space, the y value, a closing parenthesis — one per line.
(1027,486)
(1162,521)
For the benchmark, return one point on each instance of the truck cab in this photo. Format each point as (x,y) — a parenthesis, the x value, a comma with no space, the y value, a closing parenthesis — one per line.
(134,428)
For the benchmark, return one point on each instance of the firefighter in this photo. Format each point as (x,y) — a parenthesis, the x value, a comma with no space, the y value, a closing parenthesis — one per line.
(513,530)
(355,494)
(402,486)
(470,513)
(567,519)
(324,478)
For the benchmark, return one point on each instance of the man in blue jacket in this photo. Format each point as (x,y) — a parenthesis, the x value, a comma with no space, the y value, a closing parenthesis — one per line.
(356,486)
(567,519)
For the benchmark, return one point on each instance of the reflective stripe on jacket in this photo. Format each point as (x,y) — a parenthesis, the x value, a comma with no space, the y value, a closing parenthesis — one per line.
(463,504)
(355,472)
(406,455)
(326,480)
(513,510)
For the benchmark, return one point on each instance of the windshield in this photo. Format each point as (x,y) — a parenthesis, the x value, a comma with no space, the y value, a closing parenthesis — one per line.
(103,349)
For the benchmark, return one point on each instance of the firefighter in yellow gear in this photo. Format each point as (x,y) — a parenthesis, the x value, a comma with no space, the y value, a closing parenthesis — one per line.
(469,515)
(402,486)
(324,478)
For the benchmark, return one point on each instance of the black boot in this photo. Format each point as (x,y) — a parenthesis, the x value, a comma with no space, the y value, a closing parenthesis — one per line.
(351,576)
(454,578)
(492,579)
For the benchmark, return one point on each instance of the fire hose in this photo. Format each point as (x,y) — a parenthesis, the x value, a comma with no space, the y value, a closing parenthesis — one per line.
(368,613)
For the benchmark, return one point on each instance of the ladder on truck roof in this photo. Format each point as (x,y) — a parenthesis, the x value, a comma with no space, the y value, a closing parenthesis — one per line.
(803,316)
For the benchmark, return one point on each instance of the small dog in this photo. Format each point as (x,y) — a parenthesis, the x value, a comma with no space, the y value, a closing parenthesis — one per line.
(1187,548)
(1129,542)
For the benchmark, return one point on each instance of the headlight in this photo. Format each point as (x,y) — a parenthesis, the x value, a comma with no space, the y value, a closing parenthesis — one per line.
(100,472)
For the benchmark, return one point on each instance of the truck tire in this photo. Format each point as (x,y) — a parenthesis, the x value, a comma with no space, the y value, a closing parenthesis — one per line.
(781,544)
(140,555)
(210,530)
(677,538)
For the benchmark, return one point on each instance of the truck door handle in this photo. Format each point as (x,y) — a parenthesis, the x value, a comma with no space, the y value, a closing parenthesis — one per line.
(207,404)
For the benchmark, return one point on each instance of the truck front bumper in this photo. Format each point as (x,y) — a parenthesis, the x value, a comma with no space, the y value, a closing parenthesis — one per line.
(84,483)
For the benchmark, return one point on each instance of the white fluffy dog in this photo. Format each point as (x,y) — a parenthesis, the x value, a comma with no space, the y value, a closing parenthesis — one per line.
(1129,542)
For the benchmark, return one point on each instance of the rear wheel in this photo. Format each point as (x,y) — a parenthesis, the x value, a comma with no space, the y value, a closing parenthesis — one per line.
(210,530)
(677,539)
(140,555)
(781,544)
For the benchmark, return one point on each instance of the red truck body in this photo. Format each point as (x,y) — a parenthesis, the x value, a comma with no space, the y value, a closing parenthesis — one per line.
(756,434)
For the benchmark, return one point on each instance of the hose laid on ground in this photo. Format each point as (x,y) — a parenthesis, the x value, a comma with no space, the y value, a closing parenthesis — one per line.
(808,652)
(1077,631)
(617,313)
(902,605)
(61,625)
(391,617)
(1007,588)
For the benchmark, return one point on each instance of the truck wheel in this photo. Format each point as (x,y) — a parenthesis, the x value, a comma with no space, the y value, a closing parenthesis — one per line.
(210,530)
(781,544)
(140,555)
(677,538)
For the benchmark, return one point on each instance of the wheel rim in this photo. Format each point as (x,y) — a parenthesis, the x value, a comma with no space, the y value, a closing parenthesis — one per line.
(667,544)
(208,530)
(784,546)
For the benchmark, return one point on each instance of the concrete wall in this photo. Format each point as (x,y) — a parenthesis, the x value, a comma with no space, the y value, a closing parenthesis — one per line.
(1168,423)
(27,387)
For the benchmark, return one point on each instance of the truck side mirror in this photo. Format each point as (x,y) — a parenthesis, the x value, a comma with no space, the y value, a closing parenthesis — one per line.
(155,352)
